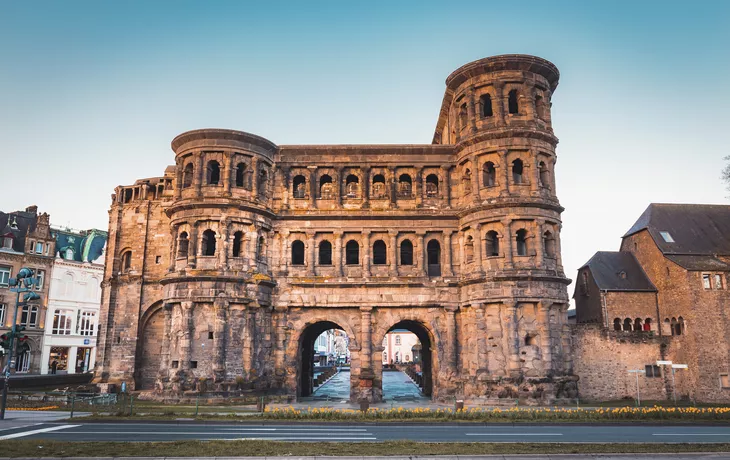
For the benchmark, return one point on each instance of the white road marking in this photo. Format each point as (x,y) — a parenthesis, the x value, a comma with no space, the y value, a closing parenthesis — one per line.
(20,427)
(514,434)
(207,433)
(347,430)
(690,434)
(304,438)
(32,432)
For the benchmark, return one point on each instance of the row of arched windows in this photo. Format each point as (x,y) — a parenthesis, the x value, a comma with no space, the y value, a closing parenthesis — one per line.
(521,244)
(328,190)
(209,246)
(352,253)
(489,173)
(629,325)
(242,175)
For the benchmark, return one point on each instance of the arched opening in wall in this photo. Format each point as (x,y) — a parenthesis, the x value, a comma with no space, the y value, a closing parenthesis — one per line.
(299,186)
(517,170)
(126,261)
(433,257)
(149,351)
(432,185)
(679,327)
(378,190)
(627,325)
(647,325)
(638,325)
(352,186)
(539,107)
(213,173)
(406,252)
(466,181)
(323,345)
(462,116)
(521,240)
(182,246)
(405,186)
(548,242)
(469,250)
(531,339)
(489,174)
(24,355)
(544,175)
(237,243)
(512,102)
(325,253)
(208,243)
(187,176)
(297,253)
(128,195)
(380,252)
(352,253)
(263,184)
(261,249)
(492,241)
(407,362)
(486,103)
(240,174)
(326,190)
(617,324)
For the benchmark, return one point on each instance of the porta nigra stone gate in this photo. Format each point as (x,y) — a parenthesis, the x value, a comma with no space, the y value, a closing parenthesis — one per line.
(222,272)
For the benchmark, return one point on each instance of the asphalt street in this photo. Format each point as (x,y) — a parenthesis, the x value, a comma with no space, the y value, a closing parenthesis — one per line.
(79,431)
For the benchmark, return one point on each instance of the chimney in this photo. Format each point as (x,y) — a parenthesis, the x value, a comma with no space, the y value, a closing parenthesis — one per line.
(33,209)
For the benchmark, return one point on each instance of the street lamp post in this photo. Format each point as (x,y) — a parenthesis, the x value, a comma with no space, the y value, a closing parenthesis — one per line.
(21,284)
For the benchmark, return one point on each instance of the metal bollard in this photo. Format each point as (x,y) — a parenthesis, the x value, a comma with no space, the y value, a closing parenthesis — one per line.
(197,404)
(73,402)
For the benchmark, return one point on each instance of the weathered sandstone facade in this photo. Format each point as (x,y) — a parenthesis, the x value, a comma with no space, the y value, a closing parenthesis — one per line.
(230,264)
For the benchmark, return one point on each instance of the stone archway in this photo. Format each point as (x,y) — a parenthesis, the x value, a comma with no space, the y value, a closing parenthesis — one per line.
(305,355)
(149,347)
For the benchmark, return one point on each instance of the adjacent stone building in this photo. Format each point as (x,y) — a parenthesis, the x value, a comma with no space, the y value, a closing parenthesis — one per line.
(232,263)
(663,296)
(25,241)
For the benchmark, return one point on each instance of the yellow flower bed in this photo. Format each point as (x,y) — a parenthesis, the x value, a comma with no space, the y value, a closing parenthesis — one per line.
(514,413)
(33,408)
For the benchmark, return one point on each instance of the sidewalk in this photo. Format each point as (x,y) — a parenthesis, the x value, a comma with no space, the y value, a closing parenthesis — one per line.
(685,456)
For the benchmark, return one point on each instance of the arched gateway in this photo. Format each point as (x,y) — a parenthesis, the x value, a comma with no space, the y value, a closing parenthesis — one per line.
(249,249)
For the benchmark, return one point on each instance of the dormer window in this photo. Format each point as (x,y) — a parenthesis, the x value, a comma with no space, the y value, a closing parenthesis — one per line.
(7,242)
(667,237)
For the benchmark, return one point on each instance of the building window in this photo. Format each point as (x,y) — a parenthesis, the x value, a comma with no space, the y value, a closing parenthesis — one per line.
(517,170)
(706,281)
(86,323)
(208,243)
(492,241)
(397,340)
(379,253)
(521,242)
(432,185)
(5,275)
(462,116)
(667,237)
(299,186)
(469,250)
(69,254)
(486,102)
(617,324)
(548,241)
(40,276)
(544,175)
(378,190)
(718,281)
(193,364)
(352,186)
(23,362)
(187,175)
(3,309)
(210,335)
(352,253)
(724,381)
(261,249)
(652,370)
(29,316)
(297,253)
(240,174)
(8,242)
(433,254)
(627,325)
(39,248)
(325,253)
(326,190)
(237,243)
(126,261)
(405,186)
(406,252)
(512,102)
(182,246)
(489,174)
(175,364)
(213,173)
(62,322)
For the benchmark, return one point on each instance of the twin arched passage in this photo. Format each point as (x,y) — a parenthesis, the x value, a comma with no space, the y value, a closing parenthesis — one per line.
(306,368)
(421,359)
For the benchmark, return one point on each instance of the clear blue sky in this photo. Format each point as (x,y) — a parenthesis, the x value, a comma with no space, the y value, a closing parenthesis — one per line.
(92,93)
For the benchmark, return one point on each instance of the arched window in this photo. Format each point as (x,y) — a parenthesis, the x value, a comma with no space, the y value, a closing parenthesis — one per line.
(433,250)
(647,325)
(299,186)
(521,242)
(24,357)
(539,107)
(530,339)
(126,261)
(544,175)
(405,185)
(240,174)
(188,175)
(627,325)
(638,324)
(512,102)
(548,243)
(489,174)
(380,253)
(469,250)
(352,185)
(432,185)
(261,248)
(486,102)
(208,243)
(237,243)
(297,253)
(213,173)
(679,327)
(492,244)
(263,183)
(517,170)
(378,186)
(182,245)
(617,324)
(462,116)
(466,181)
(326,190)
(69,253)
(352,253)
(406,252)
(325,253)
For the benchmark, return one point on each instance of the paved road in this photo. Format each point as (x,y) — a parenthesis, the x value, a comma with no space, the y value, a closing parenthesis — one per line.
(397,386)
(79,431)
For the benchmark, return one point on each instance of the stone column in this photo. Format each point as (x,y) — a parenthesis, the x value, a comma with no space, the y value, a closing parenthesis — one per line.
(174,244)
(311,254)
(313,189)
(539,244)
(422,256)
(513,340)
(499,102)
(200,173)
(249,316)
(393,252)
(166,342)
(220,307)
(505,173)
(507,240)
(281,338)
(558,250)
(284,261)
(227,170)
(254,178)
(534,177)
(446,172)
(338,254)
(471,110)
(179,180)
(474,179)
(367,375)
(366,253)
(193,245)
(393,187)
(462,255)
(482,350)
(553,192)
(447,254)
(338,182)
(478,248)
(224,243)
(252,239)
(365,189)
(285,184)
(543,324)
(186,341)
(451,339)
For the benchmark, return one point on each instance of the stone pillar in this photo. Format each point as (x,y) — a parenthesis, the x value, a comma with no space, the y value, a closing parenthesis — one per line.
(199,174)
(393,187)
(447,254)
(248,331)
(227,171)
(478,248)
(499,103)
(543,325)
(285,185)
(174,244)
(474,179)
(366,253)
(481,334)
(513,348)
(186,341)
(558,250)
(166,342)
(505,173)
(281,339)
(220,307)
(338,182)
(451,339)
(365,190)
(254,178)
(534,177)
(446,172)
(224,244)
(338,254)
(422,256)
(311,253)
(193,245)
(507,240)
(179,180)
(393,252)
(367,375)
(471,110)
(251,240)
(284,261)
(539,244)
(462,255)
(313,189)
(419,187)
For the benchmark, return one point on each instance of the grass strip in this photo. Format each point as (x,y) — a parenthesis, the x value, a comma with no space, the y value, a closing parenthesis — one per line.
(42,448)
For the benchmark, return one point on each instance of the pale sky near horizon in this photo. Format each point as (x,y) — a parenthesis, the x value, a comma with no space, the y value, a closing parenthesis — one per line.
(92,93)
